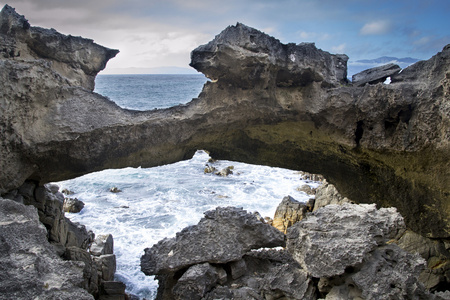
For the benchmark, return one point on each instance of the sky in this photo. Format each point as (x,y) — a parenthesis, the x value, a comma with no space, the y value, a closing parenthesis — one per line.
(158,33)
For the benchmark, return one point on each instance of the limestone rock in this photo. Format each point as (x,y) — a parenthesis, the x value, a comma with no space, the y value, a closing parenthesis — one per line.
(375,75)
(249,57)
(384,144)
(223,235)
(336,237)
(328,194)
(196,282)
(29,267)
(73,205)
(103,244)
(288,212)
(106,265)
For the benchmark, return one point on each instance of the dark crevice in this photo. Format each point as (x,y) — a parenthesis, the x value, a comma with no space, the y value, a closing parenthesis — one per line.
(359,132)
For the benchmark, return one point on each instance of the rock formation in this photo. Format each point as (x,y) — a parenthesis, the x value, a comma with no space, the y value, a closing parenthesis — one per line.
(384,144)
(337,252)
(375,75)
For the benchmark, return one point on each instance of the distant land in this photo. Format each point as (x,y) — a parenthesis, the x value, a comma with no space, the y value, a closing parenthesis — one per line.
(354,67)
(156,70)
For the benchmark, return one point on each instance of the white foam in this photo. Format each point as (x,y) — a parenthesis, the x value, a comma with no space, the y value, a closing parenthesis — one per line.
(163,200)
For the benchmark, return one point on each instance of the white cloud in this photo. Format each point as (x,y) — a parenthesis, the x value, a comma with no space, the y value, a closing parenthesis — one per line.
(376,28)
(339,49)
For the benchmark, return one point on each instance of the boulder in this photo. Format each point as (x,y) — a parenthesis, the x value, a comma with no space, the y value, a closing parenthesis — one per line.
(336,237)
(288,212)
(103,244)
(328,194)
(73,205)
(375,75)
(223,235)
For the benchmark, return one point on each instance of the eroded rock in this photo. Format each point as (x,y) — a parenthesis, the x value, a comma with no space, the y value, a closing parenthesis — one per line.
(336,237)
(223,235)
(375,75)
(288,212)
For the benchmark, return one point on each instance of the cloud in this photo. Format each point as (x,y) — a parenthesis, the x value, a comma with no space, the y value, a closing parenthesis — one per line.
(376,28)
(340,48)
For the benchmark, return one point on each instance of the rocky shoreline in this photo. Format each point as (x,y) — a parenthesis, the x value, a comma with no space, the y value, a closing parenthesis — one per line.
(376,143)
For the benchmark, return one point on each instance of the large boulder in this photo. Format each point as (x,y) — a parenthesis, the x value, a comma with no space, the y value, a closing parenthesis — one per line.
(223,235)
(336,237)
(375,75)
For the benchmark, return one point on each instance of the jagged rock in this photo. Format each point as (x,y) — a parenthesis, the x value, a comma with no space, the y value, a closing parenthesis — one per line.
(106,266)
(90,274)
(196,282)
(288,212)
(336,237)
(384,144)
(328,194)
(226,171)
(113,290)
(259,56)
(29,267)
(375,75)
(223,235)
(103,244)
(73,205)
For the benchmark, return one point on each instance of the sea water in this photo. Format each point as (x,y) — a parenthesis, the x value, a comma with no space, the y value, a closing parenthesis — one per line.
(155,203)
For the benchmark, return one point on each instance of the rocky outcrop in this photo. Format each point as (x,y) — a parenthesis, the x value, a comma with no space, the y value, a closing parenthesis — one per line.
(288,212)
(384,144)
(223,235)
(375,75)
(29,266)
(338,252)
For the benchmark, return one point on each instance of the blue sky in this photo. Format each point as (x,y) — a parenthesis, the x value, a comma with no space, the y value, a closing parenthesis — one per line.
(159,33)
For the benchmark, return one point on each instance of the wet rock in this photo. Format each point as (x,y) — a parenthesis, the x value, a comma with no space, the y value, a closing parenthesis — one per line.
(375,75)
(103,244)
(288,212)
(307,189)
(115,190)
(106,266)
(336,237)
(223,235)
(73,205)
(226,171)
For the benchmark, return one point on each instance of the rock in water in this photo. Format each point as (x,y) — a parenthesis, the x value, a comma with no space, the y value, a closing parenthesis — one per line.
(339,236)
(223,235)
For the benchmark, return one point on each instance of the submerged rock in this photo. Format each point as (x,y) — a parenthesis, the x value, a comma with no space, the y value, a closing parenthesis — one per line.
(73,205)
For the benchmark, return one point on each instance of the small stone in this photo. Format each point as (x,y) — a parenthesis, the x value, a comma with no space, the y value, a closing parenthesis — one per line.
(115,190)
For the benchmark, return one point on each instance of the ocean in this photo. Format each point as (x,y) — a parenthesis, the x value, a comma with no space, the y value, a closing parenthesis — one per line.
(155,203)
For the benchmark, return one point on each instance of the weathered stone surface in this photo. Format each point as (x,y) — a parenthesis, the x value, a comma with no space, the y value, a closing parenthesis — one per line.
(106,265)
(73,205)
(328,194)
(387,144)
(288,212)
(375,75)
(29,268)
(103,244)
(196,282)
(223,235)
(336,237)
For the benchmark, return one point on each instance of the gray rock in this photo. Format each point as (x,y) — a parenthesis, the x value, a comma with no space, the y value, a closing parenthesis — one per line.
(73,205)
(339,236)
(224,235)
(29,267)
(238,268)
(328,194)
(391,273)
(375,75)
(106,266)
(196,282)
(103,244)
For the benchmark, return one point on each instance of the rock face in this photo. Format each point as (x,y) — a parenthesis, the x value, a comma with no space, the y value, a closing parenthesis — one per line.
(224,235)
(384,144)
(29,266)
(338,252)
(288,212)
(375,75)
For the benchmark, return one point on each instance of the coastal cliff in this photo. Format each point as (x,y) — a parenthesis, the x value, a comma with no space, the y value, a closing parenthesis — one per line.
(267,103)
